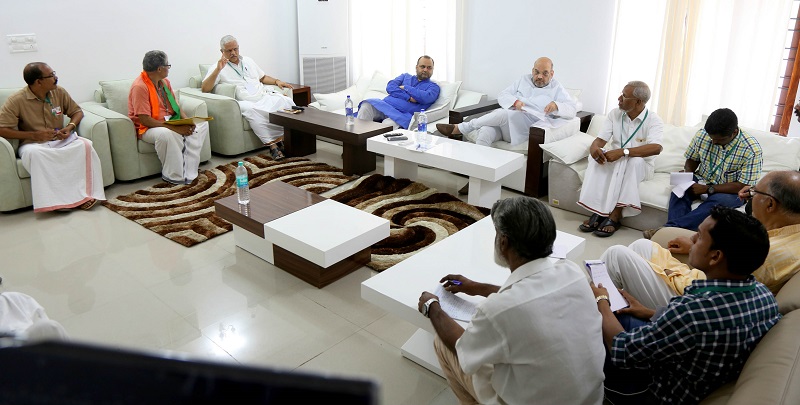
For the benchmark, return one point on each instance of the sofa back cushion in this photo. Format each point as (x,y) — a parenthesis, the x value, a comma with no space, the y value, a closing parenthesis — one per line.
(116,93)
(675,141)
(779,152)
(571,149)
(789,295)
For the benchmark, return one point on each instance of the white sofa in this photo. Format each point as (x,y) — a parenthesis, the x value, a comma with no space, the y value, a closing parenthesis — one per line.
(569,162)
(374,86)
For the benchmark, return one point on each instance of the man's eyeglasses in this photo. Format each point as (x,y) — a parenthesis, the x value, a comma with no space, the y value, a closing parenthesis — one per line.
(753,193)
(167,66)
(51,75)
(626,98)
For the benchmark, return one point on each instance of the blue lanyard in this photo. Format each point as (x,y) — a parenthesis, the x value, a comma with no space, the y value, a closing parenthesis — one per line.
(237,72)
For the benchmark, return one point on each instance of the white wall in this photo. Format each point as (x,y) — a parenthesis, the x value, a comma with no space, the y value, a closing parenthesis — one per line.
(90,40)
(86,41)
(502,39)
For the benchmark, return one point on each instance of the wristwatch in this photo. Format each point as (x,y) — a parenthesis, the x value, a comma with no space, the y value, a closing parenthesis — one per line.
(710,189)
(426,309)
(626,152)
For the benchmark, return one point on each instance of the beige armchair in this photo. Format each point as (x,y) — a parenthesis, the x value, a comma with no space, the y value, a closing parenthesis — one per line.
(134,158)
(15,181)
(229,131)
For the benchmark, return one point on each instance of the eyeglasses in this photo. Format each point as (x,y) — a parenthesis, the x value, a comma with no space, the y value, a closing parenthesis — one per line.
(51,75)
(626,98)
(753,193)
(167,66)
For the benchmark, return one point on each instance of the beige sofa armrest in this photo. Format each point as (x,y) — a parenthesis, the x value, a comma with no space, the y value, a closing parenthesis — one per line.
(122,138)
(12,195)
(668,233)
(94,128)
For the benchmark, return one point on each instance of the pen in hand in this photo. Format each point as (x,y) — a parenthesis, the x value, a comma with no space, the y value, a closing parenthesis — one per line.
(455,282)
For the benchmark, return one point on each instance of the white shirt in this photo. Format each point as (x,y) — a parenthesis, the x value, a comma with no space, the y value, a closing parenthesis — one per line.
(539,97)
(538,340)
(618,127)
(246,76)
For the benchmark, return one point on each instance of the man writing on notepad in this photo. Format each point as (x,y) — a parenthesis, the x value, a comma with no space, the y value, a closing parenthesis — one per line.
(151,106)
(536,338)
(703,337)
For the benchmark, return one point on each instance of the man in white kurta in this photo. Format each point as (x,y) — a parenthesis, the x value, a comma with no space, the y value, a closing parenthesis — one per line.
(255,99)
(65,169)
(536,338)
(622,156)
(533,100)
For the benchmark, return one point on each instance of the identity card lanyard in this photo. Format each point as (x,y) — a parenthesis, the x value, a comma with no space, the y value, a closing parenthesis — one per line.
(622,127)
(237,72)
(724,158)
(725,289)
(172,103)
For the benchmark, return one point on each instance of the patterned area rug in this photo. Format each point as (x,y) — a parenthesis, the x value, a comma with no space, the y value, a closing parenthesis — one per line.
(419,216)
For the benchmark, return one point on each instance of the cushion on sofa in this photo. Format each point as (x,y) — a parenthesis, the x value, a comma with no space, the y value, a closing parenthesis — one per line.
(571,149)
(596,125)
(116,94)
(789,295)
(675,141)
(378,82)
(448,92)
(779,153)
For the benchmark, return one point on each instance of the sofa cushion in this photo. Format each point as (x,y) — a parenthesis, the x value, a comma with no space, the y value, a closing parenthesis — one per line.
(448,92)
(116,94)
(596,125)
(571,149)
(675,141)
(378,83)
(789,295)
(779,153)
(204,70)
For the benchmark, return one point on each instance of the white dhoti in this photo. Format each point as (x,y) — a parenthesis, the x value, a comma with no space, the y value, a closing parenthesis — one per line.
(257,114)
(179,155)
(64,177)
(614,184)
(629,269)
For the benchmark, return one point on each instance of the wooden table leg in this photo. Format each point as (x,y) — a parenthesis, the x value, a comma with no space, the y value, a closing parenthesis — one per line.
(357,159)
(297,143)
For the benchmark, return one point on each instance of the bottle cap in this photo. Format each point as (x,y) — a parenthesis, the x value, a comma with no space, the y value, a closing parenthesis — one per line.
(241,163)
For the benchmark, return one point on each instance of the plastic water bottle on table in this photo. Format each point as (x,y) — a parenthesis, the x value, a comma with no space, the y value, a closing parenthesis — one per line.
(242,186)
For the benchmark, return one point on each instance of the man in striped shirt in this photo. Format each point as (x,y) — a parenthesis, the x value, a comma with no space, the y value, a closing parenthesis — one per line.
(702,339)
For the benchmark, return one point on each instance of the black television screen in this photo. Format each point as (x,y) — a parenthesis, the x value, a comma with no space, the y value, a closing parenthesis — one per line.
(72,373)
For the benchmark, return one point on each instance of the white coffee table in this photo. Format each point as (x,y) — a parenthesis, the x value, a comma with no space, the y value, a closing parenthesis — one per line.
(469,252)
(484,166)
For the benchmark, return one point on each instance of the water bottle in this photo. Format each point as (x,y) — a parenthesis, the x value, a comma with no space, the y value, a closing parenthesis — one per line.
(242,188)
(422,122)
(348,108)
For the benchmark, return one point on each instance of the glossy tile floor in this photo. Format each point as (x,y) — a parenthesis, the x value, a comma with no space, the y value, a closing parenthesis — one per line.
(110,281)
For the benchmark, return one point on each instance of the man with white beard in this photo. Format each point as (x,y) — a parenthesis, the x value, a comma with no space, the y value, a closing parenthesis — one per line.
(535,339)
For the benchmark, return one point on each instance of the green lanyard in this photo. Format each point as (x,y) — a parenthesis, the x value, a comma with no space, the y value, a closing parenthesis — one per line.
(622,127)
(725,289)
(172,103)
(237,72)
(724,158)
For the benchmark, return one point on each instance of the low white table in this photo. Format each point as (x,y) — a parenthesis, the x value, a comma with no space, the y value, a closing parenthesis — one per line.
(469,252)
(484,166)
(313,238)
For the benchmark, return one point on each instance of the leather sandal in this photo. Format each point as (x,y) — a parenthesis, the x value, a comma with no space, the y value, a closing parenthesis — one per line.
(447,130)
(592,224)
(608,222)
(276,153)
(87,205)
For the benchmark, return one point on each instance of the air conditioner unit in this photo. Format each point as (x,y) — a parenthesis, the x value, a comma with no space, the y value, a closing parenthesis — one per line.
(324,43)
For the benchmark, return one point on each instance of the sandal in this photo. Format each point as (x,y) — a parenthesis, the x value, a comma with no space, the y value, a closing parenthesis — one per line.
(608,222)
(592,224)
(87,205)
(276,153)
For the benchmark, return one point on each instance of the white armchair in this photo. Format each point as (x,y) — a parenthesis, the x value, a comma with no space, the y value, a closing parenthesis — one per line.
(229,131)
(132,157)
(15,181)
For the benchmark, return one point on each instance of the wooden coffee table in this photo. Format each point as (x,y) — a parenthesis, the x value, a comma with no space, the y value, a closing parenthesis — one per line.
(300,131)
(313,238)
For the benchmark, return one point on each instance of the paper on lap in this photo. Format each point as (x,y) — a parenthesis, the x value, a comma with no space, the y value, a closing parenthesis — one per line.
(599,274)
(680,182)
(455,306)
(62,142)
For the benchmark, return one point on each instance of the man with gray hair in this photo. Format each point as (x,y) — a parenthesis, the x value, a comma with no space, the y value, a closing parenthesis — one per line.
(535,339)
(621,157)
(255,100)
(151,106)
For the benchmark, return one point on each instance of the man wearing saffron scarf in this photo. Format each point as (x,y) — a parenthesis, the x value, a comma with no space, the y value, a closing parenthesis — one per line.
(151,106)
(65,169)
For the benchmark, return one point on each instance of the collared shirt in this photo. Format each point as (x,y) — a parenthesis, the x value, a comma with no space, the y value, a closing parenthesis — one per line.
(702,339)
(24,111)
(618,127)
(139,101)
(539,97)
(537,340)
(246,76)
(740,164)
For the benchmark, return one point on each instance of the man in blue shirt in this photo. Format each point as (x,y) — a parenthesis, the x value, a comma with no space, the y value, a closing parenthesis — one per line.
(407,94)
(702,339)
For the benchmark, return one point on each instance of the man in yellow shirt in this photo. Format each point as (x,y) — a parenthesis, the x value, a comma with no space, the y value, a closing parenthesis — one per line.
(653,275)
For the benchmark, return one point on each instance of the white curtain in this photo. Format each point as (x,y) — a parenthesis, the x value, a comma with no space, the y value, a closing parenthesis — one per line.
(390,35)
(711,54)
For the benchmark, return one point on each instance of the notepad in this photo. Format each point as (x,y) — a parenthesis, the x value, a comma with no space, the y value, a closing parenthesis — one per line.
(599,273)
(190,121)
(455,306)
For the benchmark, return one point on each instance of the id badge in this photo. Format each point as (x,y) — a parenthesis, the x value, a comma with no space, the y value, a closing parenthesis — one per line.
(250,87)
(56,111)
